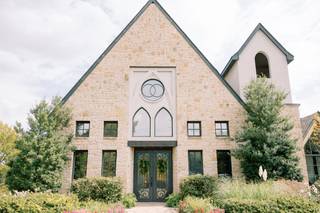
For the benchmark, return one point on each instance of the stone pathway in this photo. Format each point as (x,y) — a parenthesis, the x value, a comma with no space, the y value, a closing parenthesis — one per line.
(149,207)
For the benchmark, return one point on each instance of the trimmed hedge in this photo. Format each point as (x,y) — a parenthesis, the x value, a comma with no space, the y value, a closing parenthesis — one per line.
(275,205)
(202,186)
(37,203)
(104,189)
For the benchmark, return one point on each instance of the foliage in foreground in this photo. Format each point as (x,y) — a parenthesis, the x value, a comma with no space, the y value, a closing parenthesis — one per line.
(129,200)
(104,189)
(37,203)
(43,149)
(201,186)
(271,196)
(274,205)
(315,136)
(8,149)
(194,204)
(173,200)
(266,137)
(239,189)
(315,191)
(96,206)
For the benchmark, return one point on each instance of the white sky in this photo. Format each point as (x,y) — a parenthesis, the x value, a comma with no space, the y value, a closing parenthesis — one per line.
(46,46)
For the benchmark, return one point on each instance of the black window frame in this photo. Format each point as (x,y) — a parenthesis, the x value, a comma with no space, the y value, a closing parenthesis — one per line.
(228,173)
(115,163)
(75,153)
(199,170)
(77,128)
(221,129)
(107,130)
(193,129)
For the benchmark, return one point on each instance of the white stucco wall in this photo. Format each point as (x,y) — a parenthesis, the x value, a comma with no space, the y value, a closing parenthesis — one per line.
(246,68)
(233,78)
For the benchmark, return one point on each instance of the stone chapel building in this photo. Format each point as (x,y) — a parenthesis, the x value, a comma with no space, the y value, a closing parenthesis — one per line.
(152,109)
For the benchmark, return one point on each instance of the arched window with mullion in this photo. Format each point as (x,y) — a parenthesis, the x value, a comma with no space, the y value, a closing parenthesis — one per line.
(141,123)
(163,123)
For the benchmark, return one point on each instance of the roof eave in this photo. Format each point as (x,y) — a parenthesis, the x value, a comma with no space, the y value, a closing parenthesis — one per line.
(229,65)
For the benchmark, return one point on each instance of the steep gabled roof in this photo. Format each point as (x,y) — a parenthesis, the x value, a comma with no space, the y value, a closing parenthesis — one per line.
(105,52)
(307,123)
(260,27)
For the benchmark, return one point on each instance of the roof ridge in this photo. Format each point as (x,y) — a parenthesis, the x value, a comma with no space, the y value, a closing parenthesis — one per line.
(183,34)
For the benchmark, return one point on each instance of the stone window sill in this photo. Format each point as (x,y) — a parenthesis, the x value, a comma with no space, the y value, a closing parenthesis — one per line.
(110,138)
(81,138)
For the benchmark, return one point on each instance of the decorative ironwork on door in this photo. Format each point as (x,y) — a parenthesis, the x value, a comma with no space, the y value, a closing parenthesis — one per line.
(153,174)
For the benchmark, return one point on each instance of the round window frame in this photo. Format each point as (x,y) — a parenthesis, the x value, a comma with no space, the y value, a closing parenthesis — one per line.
(148,99)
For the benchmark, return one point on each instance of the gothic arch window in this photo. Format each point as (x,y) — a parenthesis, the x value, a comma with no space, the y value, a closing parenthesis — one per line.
(262,66)
(163,124)
(141,123)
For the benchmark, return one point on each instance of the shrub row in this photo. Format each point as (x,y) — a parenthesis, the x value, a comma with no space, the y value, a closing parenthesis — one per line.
(202,186)
(37,202)
(104,189)
(129,200)
(275,205)
(194,205)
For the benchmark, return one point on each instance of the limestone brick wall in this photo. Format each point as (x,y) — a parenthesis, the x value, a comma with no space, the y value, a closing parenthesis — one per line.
(200,95)
(292,112)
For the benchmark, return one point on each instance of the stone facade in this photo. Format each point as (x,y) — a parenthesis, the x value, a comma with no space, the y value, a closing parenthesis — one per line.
(153,41)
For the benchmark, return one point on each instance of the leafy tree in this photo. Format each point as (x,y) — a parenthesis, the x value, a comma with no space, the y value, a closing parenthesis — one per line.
(43,149)
(8,149)
(265,135)
(315,136)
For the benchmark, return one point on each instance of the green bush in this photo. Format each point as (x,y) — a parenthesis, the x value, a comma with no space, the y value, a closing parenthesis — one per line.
(315,191)
(100,189)
(276,205)
(97,206)
(129,200)
(202,186)
(173,200)
(37,202)
(194,204)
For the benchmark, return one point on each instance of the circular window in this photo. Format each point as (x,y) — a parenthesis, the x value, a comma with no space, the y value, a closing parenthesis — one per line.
(152,90)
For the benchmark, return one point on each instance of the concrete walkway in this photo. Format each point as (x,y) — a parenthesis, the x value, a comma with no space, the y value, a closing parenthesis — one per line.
(148,207)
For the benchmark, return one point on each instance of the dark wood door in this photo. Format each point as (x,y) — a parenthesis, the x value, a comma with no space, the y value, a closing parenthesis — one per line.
(152,174)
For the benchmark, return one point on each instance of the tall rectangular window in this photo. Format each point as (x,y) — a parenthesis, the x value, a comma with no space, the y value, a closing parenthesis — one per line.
(82,128)
(110,129)
(195,162)
(224,163)
(222,128)
(80,160)
(194,128)
(109,162)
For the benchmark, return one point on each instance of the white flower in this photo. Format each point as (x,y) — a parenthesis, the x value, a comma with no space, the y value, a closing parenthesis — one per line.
(265,175)
(260,171)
